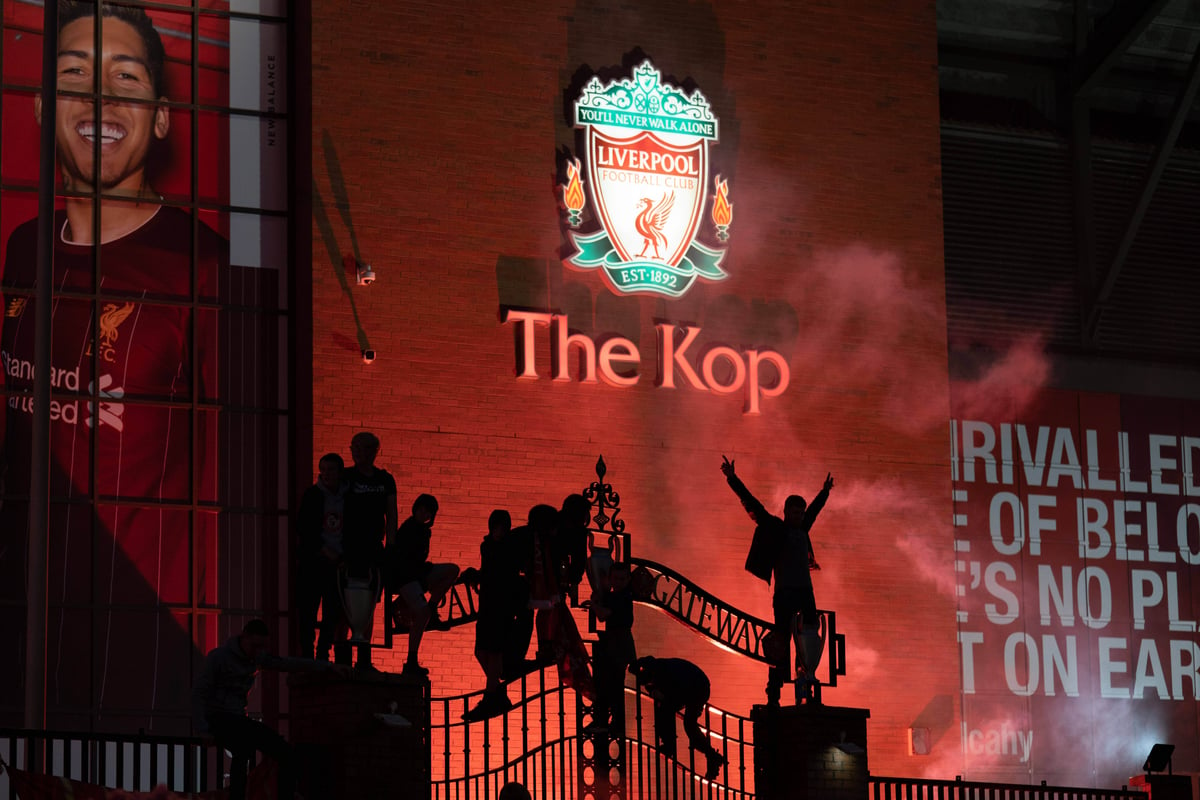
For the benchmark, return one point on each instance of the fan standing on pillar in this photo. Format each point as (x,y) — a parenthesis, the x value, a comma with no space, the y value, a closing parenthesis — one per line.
(782,548)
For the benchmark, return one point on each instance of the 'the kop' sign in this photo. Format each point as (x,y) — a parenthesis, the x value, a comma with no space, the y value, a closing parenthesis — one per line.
(718,368)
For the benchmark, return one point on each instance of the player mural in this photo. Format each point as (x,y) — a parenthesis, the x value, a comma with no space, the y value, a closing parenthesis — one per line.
(141,443)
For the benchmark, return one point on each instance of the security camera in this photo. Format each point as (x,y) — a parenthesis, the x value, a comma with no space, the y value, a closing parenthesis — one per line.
(366,275)
(368,356)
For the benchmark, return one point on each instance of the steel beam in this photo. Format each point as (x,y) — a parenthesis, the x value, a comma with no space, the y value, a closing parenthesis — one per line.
(37,596)
(1112,37)
(1080,120)
(1158,164)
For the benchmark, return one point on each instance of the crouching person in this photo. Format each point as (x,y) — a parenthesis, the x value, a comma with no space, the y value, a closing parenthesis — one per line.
(678,685)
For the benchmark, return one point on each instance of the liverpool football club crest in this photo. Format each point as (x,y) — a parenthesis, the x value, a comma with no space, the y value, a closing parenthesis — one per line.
(646,169)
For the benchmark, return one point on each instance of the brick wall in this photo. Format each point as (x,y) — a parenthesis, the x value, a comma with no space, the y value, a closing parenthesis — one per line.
(437,134)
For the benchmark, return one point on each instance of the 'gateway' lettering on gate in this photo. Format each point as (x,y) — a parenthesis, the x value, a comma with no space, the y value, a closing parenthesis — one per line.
(719,369)
(699,610)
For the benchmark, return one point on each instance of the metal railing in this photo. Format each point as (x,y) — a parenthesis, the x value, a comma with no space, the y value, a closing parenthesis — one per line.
(539,743)
(925,789)
(133,762)
(533,743)
(536,743)
(651,774)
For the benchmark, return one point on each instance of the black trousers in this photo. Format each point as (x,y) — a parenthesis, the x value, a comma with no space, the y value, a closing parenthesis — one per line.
(786,604)
(317,588)
(517,643)
(664,723)
(613,653)
(242,737)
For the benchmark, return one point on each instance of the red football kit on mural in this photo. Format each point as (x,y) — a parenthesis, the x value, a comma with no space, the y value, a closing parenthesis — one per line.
(143,353)
(135,346)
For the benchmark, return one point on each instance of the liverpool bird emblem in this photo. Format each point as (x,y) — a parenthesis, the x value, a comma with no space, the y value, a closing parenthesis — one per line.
(110,323)
(650,222)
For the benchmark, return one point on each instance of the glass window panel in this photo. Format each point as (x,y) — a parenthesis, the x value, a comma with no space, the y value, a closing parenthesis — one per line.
(17,209)
(249,466)
(209,351)
(208,630)
(257,162)
(12,659)
(283,533)
(212,157)
(282,389)
(71,370)
(19,133)
(22,44)
(143,452)
(206,565)
(69,647)
(257,65)
(207,459)
(175,32)
(14,521)
(250,287)
(242,564)
(143,664)
(72,535)
(260,240)
(169,169)
(213,8)
(275,8)
(143,555)
(218,221)
(144,349)
(249,366)
(212,66)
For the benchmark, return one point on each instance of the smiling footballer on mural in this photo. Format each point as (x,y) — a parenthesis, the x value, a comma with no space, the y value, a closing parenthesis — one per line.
(130,353)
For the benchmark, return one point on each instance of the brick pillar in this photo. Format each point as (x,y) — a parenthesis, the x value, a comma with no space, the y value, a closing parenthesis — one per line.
(335,718)
(800,752)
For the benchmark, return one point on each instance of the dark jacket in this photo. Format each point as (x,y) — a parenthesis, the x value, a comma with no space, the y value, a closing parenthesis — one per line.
(679,680)
(310,525)
(406,555)
(503,591)
(771,533)
(620,609)
(228,675)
